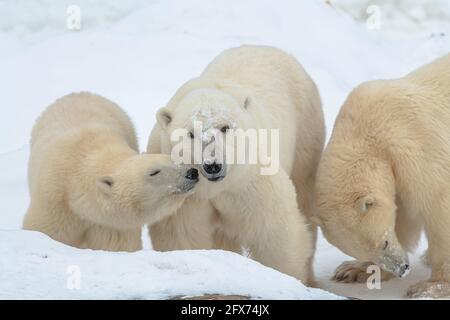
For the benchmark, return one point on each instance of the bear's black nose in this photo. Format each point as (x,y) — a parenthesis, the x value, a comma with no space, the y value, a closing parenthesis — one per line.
(212,168)
(192,174)
(404,268)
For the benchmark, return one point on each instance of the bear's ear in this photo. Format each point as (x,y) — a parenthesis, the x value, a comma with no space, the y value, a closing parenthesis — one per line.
(365,203)
(105,184)
(163,117)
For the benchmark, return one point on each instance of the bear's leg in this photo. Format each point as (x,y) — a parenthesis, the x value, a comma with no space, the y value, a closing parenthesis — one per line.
(304,189)
(99,237)
(408,229)
(313,230)
(265,218)
(437,230)
(191,227)
(221,241)
(356,271)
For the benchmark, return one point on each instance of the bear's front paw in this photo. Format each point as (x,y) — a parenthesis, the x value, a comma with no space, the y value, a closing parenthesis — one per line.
(355,271)
(351,271)
(429,289)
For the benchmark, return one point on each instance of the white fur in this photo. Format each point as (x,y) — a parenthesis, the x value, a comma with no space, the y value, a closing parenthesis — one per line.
(80,145)
(391,142)
(249,87)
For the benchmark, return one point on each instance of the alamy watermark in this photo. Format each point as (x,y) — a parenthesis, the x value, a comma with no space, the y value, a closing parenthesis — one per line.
(234,146)
(374,280)
(373,22)
(73,20)
(73,281)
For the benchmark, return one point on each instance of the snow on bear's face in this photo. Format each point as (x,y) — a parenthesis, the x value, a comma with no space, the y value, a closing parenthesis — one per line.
(143,189)
(204,118)
(355,208)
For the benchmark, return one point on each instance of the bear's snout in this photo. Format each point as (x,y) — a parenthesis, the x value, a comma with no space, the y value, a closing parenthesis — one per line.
(192,174)
(212,168)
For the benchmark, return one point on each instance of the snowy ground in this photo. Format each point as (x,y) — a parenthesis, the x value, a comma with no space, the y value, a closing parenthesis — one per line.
(138,53)
(45,269)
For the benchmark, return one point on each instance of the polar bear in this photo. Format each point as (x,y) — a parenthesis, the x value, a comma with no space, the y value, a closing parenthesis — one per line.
(234,205)
(385,175)
(89,186)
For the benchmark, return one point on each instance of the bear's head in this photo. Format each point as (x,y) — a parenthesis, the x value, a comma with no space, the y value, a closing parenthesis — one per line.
(141,189)
(205,118)
(355,207)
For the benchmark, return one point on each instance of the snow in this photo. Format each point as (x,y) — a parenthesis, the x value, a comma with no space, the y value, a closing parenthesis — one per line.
(45,269)
(138,53)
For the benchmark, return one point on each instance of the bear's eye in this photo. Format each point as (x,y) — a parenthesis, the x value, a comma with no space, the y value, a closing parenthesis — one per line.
(191,135)
(224,129)
(154,173)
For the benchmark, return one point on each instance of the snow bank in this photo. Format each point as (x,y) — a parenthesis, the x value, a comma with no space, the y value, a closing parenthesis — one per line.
(34,266)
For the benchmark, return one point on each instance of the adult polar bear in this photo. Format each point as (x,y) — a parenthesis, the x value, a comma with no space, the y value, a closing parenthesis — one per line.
(89,186)
(385,175)
(250,87)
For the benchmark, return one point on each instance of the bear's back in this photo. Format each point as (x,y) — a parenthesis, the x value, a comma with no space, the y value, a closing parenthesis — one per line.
(435,74)
(405,116)
(66,129)
(420,101)
(76,111)
(255,66)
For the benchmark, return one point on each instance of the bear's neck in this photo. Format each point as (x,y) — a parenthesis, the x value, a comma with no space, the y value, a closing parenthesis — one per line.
(102,153)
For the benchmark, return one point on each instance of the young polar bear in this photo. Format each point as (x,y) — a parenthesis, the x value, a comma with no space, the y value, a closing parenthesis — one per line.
(234,205)
(89,187)
(386,174)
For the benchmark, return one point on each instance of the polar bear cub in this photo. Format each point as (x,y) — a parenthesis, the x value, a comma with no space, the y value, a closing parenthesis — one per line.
(385,175)
(89,186)
(235,205)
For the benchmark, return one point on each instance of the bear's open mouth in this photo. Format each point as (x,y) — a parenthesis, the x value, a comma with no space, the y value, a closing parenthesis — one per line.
(186,187)
(216,179)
